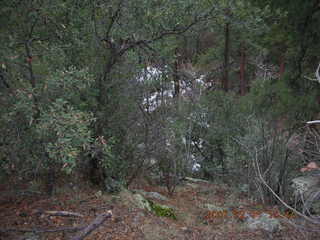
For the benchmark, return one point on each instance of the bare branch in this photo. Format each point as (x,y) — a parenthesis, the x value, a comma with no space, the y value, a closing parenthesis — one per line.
(93,225)
(61,213)
(174,31)
(280,200)
(85,230)
(38,230)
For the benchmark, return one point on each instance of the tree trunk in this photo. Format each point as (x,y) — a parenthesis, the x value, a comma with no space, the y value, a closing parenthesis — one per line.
(225,82)
(96,171)
(29,64)
(102,97)
(176,75)
(282,66)
(243,81)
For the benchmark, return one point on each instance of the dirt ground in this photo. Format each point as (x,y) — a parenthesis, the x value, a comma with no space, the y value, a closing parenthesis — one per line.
(23,215)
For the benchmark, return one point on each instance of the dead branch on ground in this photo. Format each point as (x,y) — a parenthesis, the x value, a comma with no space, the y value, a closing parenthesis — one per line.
(39,230)
(60,213)
(93,225)
(85,230)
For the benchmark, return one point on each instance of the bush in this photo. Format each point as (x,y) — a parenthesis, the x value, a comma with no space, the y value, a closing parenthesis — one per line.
(48,127)
(65,133)
(275,100)
(217,121)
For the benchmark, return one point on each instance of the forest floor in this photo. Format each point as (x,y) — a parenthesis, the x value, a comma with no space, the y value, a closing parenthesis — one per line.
(21,211)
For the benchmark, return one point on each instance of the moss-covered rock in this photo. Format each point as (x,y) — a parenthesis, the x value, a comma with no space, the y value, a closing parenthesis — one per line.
(154,195)
(138,201)
(142,203)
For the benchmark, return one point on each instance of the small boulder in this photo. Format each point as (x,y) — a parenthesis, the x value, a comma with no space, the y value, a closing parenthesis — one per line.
(265,222)
(212,207)
(141,202)
(156,195)
(153,195)
(192,185)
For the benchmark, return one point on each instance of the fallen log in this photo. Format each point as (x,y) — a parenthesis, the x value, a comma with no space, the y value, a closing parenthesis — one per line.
(84,230)
(40,230)
(62,213)
(100,219)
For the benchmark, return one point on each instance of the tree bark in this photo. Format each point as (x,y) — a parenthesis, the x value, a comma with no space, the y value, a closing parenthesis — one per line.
(243,81)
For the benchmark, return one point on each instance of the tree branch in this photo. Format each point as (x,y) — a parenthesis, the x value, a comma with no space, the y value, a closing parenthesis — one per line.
(317,73)
(60,213)
(113,19)
(279,198)
(85,230)
(93,225)
(38,230)
(174,31)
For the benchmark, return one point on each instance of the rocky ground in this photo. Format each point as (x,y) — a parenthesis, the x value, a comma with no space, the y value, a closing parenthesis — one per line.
(202,211)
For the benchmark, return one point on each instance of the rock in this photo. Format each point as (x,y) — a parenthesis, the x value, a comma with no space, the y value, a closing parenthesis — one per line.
(154,195)
(265,222)
(98,194)
(115,198)
(112,186)
(141,202)
(244,188)
(212,207)
(192,185)
(141,146)
(195,180)
(137,200)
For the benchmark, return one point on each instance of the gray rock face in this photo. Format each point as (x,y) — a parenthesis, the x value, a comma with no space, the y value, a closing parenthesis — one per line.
(154,195)
(141,202)
(265,222)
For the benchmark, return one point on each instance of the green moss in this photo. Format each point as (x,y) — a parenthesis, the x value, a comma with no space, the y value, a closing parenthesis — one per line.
(163,211)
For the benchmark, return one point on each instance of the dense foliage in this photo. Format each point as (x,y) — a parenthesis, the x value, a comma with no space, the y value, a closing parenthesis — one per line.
(114,90)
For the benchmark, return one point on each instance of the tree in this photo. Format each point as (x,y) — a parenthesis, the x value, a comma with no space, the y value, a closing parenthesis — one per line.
(299,21)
